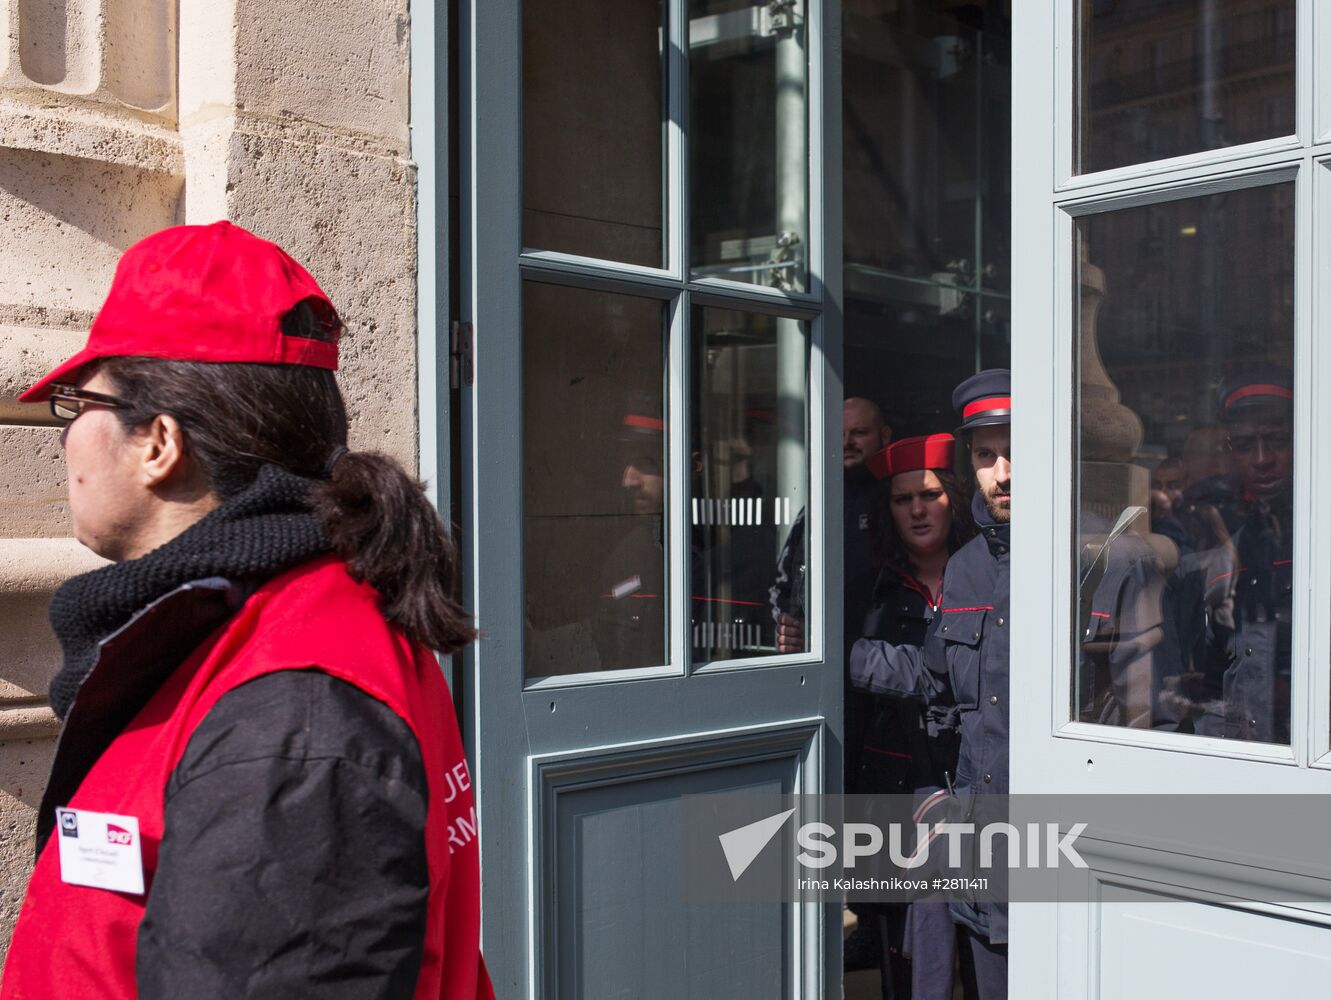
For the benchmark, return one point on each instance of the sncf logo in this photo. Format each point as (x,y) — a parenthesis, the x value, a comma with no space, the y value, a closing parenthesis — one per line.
(118,835)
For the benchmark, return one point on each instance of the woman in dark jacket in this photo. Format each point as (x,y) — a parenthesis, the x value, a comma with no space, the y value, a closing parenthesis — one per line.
(923,516)
(259,789)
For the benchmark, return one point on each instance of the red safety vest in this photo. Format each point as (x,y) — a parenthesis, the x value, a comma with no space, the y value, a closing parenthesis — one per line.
(75,941)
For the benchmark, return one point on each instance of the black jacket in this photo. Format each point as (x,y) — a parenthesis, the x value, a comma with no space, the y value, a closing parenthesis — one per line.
(908,744)
(967,647)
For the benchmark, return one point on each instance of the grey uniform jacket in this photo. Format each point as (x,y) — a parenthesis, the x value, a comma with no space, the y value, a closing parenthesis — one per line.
(967,644)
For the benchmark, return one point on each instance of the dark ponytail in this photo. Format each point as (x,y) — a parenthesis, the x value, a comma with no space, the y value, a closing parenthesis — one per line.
(240,417)
(383,525)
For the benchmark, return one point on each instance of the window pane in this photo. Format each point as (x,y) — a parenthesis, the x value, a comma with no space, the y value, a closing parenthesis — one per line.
(748,141)
(926,127)
(1185,466)
(1169,77)
(592,128)
(750,478)
(594,473)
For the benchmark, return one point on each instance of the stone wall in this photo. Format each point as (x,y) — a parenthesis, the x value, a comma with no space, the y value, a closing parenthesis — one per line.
(119,117)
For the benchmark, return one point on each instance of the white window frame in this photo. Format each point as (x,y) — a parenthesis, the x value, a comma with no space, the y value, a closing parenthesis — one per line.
(1049,943)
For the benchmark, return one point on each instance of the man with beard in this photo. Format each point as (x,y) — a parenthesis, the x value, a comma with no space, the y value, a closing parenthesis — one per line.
(967,644)
(630,622)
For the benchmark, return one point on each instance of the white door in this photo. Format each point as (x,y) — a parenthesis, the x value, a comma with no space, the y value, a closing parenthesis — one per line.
(1170,317)
(650,272)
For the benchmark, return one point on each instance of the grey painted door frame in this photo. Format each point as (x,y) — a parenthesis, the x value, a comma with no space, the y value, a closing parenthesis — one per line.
(530,740)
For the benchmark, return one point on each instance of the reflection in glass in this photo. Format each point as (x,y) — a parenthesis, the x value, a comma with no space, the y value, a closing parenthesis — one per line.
(750,476)
(1160,78)
(748,141)
(594,474)
(926,126)
(594,70)
(1185,466)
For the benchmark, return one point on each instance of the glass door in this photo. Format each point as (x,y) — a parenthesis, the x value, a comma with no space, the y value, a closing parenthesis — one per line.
(1169,543)
(650,271)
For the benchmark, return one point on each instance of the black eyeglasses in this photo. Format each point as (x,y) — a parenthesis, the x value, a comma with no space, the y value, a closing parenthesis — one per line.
(68,402)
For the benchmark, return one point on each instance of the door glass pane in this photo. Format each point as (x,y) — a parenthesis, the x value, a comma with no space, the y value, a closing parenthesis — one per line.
(1169,77)
(748,141)
(593,83)
(1185,466)
(926,126)
(594,473)
(750,479)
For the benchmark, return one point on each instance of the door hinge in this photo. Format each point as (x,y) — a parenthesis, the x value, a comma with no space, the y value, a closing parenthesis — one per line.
(461,367)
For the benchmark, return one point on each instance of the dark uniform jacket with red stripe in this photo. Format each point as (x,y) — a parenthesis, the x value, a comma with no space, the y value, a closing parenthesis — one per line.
(1125,650)
(908,744)
(966,648)
(1231,611)
(306,818)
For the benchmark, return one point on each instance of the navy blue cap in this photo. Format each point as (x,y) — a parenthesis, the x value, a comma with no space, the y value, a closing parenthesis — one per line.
(1261,388)
(984,399)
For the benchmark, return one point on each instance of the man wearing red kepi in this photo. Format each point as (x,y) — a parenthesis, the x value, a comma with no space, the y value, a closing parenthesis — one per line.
(259,789)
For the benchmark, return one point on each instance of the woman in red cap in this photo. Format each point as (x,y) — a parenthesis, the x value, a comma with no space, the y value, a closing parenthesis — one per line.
(922,518)
(259,789)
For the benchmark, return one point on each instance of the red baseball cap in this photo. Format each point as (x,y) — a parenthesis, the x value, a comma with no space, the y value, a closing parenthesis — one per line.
(201,293)
(929,451)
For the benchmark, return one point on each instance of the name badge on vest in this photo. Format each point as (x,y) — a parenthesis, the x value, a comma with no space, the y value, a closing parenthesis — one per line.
(100,850)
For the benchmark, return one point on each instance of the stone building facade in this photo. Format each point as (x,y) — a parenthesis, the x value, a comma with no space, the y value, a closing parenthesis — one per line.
(120,117)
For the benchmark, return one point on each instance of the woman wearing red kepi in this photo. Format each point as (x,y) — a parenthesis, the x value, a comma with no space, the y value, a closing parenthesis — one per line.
(922,518)
(259,789)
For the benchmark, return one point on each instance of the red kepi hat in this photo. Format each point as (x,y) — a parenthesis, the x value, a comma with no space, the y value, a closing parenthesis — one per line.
(929,451)
(201,293)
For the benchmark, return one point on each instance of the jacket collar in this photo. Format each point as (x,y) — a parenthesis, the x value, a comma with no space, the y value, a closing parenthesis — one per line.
(131,664)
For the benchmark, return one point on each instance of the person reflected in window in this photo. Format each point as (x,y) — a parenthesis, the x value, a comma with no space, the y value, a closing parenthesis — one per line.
(1205,454)
(910,745)
(643,484)
(1167,484)
(1125,646)
(630,619)
(1236,597)
(1209,509)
